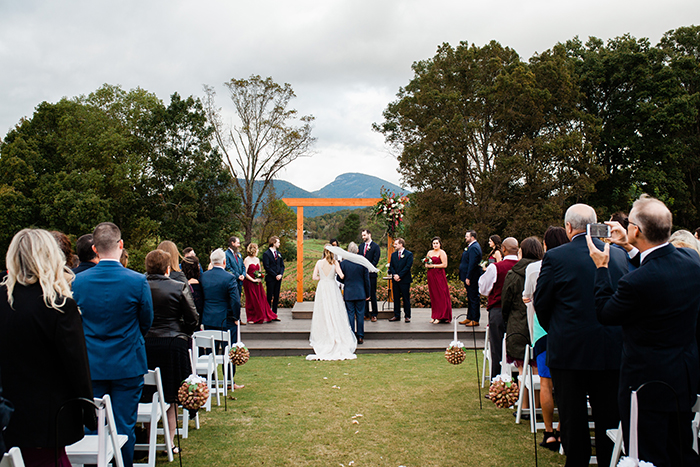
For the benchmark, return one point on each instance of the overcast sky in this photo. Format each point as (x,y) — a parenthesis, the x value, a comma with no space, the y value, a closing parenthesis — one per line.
(344,59)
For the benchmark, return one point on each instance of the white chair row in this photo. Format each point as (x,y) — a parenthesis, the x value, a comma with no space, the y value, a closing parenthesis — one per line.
(151,413)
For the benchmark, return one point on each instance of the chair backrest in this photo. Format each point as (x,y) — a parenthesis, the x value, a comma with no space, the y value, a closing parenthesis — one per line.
(111,426)
(13,458)
(224,336)
(203,342)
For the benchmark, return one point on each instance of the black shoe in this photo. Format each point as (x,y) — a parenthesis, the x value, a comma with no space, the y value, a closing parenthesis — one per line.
(360,340)
(407,320)
(552,445)
(523,415)
(394,319)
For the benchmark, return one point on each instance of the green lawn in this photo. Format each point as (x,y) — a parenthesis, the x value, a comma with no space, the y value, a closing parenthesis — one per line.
(416,410)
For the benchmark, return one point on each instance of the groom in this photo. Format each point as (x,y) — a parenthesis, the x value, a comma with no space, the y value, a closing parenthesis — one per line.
(356,282)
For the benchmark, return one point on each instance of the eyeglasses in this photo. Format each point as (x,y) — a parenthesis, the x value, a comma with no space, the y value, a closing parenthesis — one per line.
(632,223)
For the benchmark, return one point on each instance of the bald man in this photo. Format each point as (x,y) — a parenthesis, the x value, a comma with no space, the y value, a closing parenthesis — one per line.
(491,285)
(583,355)
(657,306)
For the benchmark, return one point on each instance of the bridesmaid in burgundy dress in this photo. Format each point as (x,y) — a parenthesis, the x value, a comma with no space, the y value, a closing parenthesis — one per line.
(256,307)
(440,301)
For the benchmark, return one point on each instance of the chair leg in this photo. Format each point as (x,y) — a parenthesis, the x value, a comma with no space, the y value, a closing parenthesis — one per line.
(487,358)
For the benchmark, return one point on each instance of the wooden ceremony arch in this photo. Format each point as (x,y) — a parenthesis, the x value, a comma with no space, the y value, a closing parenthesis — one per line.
(300,203)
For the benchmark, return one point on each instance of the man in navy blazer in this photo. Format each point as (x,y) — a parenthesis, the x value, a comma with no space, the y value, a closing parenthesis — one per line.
(274,271)
(117,312)
(355,293)
(234,264)
(469,273)
(657,306)
(222,300)
(583,355)
(400,272)
(370,250)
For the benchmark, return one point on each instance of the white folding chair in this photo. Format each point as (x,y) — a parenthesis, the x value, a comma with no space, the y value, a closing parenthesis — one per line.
(487,359)
(103,447)
(524,380)
(12,458)
(205,365)
(221,360)
(185,416)
(151,413)
(506,368)
(696,423)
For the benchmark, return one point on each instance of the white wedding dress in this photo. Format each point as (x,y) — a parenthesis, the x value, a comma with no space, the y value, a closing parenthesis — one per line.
(331,336)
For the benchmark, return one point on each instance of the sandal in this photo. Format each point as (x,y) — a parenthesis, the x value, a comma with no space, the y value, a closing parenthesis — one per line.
(551,445)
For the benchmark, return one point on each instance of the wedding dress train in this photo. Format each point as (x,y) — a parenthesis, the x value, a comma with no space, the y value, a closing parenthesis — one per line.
(331,336)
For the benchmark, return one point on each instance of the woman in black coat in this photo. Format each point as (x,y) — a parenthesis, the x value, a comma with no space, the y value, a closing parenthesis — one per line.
(43,359)
(174,320)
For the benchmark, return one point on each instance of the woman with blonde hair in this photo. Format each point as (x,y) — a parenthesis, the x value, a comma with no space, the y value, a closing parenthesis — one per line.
(175,257)
(39,316)
(257,308)
(331,335)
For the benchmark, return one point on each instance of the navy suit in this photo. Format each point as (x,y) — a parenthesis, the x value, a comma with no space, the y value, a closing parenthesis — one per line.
(117,312)
(372,253)
(235,266)
(356,292)
(83,266)
(582,354)
(402,289)
(657,306)
(274,266)
(222,299)
(469,269)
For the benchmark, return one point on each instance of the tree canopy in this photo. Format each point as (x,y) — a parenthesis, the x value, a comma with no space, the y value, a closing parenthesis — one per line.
(117,156)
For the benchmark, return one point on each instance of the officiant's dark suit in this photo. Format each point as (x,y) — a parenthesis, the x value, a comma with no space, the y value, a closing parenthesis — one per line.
(355,294)
(582,354)
(372,253)
(657,306)
(469,269)
(274,266)
(400,265)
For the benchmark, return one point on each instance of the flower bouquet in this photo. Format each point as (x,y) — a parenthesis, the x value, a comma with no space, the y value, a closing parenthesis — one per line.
(427,260)
(258,274)
(504,391)
(193,393)
(455,353)
(239,354)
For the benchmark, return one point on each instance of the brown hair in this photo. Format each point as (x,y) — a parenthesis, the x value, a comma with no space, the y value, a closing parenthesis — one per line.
(65,246)
(157,262)
(438,239)
(272,240)
(124,259)
(190,267)
(252,249)
(328,255)
(531,248)
(401,241)
(170,247)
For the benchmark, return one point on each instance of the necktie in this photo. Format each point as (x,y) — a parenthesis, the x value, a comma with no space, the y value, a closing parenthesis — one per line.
(365,253)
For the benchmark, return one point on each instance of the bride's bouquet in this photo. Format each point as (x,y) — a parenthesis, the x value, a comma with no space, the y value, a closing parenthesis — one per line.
(455,353)
(504,391)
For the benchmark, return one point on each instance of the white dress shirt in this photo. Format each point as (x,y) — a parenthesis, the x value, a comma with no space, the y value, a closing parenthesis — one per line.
(489,277)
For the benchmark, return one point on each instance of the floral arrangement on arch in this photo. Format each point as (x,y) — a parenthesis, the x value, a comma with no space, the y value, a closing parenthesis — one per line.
(391,209)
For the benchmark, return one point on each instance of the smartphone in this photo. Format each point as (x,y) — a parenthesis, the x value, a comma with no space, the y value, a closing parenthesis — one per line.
(598,230)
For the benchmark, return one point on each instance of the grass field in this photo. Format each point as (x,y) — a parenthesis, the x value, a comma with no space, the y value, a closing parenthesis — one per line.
(416,410)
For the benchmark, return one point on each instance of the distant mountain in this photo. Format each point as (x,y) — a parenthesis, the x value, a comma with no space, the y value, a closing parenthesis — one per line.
(349,185)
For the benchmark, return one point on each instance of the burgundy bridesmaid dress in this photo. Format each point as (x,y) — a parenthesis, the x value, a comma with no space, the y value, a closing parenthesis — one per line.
(440,301)
(256,307)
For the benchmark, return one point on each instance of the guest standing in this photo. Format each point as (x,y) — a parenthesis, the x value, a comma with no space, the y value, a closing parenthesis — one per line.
(371,251)
(495,255)
(86,255)
(582,354)
(440,300)
(175,318)
(658,310)
(175,257)
(191,269)
(117,312)
(400,272)
(491,285)
(469,273)
(257,309)
(43,359)
(65,245)
(274,271)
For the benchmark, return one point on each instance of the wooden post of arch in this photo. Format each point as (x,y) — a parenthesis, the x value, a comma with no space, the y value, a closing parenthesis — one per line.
(300,203)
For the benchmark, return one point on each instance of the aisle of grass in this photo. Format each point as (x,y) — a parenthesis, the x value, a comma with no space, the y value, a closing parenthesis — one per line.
(417,410)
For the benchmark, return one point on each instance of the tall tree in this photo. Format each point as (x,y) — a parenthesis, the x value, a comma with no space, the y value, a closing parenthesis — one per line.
(264,141)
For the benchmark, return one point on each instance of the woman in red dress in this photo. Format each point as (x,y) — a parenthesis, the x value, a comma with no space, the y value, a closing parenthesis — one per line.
(257,309)
(440,301)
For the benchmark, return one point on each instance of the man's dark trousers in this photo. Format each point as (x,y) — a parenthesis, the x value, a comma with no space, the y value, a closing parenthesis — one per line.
(372,296)
(356,312)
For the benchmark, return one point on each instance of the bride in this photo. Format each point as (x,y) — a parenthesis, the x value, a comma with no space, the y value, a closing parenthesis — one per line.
(331,336)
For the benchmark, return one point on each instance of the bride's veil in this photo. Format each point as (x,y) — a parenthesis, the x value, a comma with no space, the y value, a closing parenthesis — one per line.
(352,257)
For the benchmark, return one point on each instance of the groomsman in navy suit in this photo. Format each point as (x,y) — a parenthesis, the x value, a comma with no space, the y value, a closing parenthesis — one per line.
(235,266)
(370,250)
(356,293)
(400,272)
(469,273)
(117,311)
(274,270)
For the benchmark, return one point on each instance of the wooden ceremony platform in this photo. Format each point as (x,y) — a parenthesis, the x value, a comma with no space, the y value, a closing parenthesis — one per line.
(290,335)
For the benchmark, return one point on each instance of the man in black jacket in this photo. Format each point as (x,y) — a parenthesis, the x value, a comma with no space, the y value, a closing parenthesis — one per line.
(582,354)
(657,306)
(274,270)
(370,250)
(400,272)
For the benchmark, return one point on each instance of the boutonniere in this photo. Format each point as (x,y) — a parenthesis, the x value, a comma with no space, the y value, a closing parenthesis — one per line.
(466,248)
(368,247)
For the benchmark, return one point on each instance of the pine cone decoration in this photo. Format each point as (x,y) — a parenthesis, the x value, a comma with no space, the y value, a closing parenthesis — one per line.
(504,393)
(455,355)
(239,355)
(192,396)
